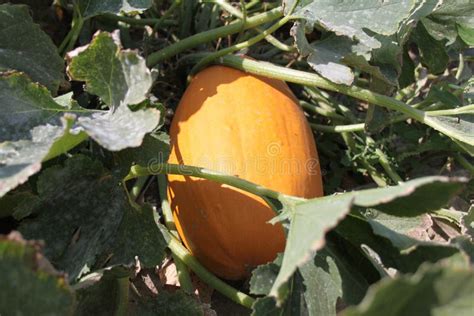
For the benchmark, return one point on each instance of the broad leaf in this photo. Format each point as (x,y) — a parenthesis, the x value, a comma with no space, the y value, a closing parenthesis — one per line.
(119,129)
(178,303)
(80,230)
(30,286)
(117,76)
(25,47)
(442,23)
(90,8)
(388,246)
(328,280)
(311,220)
(353,18)
(30,123)
(459,127)
(155,149)
(35,128)
(433,290)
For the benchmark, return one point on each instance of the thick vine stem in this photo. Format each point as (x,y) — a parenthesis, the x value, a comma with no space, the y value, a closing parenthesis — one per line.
(183,254)
(204,37)
(181,268)
(208,59)
(160,168)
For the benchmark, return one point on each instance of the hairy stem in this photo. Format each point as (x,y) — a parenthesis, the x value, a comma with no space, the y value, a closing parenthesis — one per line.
(181,268)
(183,254)
(161,168)
(211,35)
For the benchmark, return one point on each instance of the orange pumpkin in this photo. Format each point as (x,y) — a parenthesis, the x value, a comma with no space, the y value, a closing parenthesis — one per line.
(248,126)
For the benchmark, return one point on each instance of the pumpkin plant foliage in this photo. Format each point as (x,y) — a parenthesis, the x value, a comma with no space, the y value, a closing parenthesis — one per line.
(97,98)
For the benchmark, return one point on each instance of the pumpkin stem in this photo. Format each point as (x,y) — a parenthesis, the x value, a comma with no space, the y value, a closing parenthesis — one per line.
(181,268)
(210,279)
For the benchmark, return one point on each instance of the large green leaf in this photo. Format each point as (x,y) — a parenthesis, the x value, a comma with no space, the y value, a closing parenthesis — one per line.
(433,290)
(85,217)
(34,127)
(354,18)
(30,123)
(117,76)
(29,285)
(312,219)
(25,47)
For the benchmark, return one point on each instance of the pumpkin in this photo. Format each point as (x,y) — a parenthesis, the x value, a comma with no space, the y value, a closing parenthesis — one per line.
(251,127)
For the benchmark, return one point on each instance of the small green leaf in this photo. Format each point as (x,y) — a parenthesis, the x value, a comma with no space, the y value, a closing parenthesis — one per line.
(466,33)
(30,286)
(432,52)
(264,276)
(25,47)
(117,76)
(433,290)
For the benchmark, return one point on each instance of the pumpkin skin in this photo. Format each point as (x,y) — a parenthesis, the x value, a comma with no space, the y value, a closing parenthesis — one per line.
(248,126)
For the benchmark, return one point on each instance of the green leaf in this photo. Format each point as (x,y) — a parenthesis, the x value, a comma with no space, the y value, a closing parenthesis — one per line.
(405,243)
(331,56)
(98,292)
(353,18)
(322,283)
(442,23)
(178,303)
(117,76)
(458,127)
(325,56)
(30,286)
(35,128)
(264,275)
(330,280)
(138,235)
(311,220)
(468,222)
(90,8)
(432,52)
(30,123)
(360,233)
(433,290)
(19,204)
(84,215)
(466,33)
(26,48)
(121,128)
(154,149)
